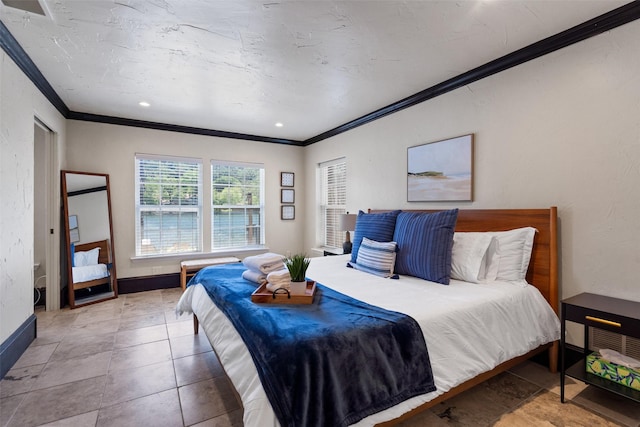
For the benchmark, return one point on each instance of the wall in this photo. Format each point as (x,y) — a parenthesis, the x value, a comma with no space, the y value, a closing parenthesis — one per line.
(92,212)
(561,130)
(111,149)
(20,101)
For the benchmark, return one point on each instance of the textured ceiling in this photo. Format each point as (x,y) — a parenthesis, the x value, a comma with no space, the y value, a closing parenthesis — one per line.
(243,65)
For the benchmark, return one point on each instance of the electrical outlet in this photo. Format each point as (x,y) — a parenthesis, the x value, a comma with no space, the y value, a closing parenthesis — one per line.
(156,270)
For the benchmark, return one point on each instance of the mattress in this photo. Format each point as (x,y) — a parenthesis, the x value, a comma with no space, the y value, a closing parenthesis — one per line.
(469,329)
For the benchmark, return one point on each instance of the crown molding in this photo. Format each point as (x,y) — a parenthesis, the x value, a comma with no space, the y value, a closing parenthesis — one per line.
(617,17)
(608,21)
(10,45)
(74,115)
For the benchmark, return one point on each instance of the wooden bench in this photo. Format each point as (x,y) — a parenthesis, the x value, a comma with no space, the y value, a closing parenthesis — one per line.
(190,267)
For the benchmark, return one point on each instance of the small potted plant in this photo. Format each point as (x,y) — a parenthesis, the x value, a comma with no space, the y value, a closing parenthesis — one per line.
(297,265)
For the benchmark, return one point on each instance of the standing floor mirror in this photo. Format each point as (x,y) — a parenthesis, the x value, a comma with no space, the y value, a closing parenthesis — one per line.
(91,266)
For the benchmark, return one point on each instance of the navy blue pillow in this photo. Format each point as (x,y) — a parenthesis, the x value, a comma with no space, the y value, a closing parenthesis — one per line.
(424,244)
(376,226)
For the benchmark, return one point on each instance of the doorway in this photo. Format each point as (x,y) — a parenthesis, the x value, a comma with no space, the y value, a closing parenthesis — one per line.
(46,271)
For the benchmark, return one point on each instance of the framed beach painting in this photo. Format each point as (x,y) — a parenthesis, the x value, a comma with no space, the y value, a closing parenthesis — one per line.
(441,170)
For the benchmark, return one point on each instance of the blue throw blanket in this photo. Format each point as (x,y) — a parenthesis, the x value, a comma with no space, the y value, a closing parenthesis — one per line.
(330,363)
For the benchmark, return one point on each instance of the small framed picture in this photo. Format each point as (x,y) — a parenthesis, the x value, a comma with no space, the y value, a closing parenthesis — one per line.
(288,212)
(287,196)
(287,179)
(74,235)
(74,231)
(73,221)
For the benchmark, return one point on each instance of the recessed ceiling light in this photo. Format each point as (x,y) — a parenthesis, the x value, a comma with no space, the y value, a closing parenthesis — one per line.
(144,104)
(279,125)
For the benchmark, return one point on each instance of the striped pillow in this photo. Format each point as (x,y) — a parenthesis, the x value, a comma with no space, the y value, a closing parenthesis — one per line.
(376,257)
(424,244)
(378,227)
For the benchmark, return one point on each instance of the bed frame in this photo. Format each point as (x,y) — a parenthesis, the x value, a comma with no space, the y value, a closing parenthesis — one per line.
(103,258)
(542,273)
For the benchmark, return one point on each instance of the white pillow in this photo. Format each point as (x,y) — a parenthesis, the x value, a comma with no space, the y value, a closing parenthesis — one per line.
(83,259)
(469,256)
(490,263)
(376,257)
(514,251)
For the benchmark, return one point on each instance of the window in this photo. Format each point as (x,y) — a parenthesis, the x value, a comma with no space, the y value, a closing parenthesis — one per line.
(237,218)
(333,193)
(168,205)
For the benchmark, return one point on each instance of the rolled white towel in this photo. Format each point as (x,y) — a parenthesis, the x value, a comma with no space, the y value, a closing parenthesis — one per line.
(264,263)
(279,277)
(275,286)
(254,276)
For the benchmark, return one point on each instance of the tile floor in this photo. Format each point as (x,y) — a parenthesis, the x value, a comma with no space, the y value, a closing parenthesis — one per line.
(130,362)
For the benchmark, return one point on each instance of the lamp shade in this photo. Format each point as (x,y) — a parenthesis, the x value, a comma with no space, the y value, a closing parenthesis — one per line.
(348,222)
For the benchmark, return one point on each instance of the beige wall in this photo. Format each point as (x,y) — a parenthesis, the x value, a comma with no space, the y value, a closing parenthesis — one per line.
(20,102)
(561,130)
(92,214)
(111,149)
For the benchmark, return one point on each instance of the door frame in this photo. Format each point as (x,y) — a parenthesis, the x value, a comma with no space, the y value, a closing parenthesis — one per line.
(52,203)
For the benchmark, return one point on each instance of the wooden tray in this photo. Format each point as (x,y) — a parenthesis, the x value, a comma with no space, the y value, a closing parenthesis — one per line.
(264,296)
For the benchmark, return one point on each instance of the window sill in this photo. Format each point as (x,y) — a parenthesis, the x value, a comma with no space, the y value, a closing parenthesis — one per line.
(196,255)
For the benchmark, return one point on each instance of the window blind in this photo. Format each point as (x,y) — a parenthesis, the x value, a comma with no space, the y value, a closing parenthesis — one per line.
(168,205)
(237,197)
(333,189)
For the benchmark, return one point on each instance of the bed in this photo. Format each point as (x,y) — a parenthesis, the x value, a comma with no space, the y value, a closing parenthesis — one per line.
(475,344)
(91,264)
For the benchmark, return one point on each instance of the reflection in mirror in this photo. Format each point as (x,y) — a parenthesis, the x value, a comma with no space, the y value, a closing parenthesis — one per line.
(91,268)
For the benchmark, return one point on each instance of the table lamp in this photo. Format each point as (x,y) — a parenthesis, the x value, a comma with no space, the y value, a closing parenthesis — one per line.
(347,223)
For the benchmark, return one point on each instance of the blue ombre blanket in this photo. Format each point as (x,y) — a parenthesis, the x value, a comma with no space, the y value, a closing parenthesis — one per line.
(330,363)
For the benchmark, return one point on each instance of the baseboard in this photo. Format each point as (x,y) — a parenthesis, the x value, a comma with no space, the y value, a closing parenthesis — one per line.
(13,347)
(130,285)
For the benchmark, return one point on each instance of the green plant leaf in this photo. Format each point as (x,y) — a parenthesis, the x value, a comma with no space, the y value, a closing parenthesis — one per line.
(297,265)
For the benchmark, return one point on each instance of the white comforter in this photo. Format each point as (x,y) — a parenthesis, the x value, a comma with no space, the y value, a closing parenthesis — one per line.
(89,272)
(469,329)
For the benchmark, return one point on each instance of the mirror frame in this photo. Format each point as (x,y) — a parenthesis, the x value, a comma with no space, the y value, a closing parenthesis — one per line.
(113,293)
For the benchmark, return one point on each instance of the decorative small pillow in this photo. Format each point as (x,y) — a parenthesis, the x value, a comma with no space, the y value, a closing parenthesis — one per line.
(514,250)
(85,258)
(424,244)
(376,257)
(376,226)
(469,255)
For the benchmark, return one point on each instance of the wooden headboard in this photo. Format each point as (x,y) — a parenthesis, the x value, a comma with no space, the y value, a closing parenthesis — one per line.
(104,254)
(543,267)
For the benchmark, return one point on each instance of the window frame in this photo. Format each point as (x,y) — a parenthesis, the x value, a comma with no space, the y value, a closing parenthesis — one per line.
(260,167)
(140,208)
(331,239)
